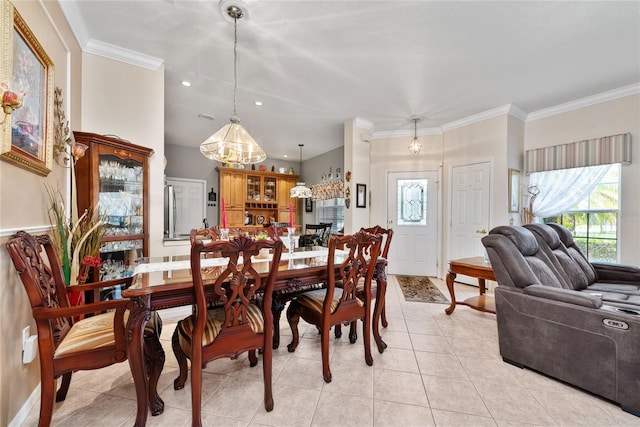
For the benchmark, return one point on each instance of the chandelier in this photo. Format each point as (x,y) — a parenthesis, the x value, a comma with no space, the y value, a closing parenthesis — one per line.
(416,145)
(232,143)
(300,191)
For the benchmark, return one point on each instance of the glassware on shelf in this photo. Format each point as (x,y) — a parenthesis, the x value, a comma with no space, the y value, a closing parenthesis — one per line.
(291,235)
(123,245)
(224,234)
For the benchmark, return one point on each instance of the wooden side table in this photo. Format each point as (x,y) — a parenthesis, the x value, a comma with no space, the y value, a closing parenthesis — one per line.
(473,267)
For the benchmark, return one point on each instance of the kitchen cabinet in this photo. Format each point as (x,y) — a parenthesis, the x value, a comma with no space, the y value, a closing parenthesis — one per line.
(284,200)
(114,176)
(254,198)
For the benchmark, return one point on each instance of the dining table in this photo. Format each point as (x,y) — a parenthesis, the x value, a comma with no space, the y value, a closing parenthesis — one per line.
(166,282)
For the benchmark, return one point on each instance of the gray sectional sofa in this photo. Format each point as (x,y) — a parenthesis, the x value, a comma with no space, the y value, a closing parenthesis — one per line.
(565,317)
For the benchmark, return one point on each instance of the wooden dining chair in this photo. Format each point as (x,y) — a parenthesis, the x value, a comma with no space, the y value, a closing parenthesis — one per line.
(387,235)
(275,232)
(316,234)
(334,305)
(243,321)
(65,345)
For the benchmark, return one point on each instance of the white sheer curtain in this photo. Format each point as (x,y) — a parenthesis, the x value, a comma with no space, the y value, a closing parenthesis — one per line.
(560,190)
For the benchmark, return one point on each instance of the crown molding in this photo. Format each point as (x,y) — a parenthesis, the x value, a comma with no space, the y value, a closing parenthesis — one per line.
(401,133)
(609,95)
(515,111)
(363,124)
(71,11)
(121,54)
(96,47)
(476,118)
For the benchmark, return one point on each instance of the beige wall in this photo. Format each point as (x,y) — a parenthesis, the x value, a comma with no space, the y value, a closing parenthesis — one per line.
(356,160)
(502,141)
(486,141)
(102,96)
(608,118)
(24,206)
(128,101)
(392,155)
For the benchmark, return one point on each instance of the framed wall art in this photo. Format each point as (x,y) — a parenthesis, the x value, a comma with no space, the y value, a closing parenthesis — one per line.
(361,195)
(514,190)
(308,205)
(28,71)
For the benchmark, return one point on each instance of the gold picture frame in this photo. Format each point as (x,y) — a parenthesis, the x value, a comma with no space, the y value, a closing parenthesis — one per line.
(27,133)
(514,190)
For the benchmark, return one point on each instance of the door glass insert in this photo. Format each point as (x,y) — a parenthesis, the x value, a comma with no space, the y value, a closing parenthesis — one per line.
(121,195)
(412,201)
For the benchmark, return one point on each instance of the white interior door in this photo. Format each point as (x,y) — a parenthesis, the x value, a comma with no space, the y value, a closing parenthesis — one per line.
(190,196)
(412,212)
(470,197)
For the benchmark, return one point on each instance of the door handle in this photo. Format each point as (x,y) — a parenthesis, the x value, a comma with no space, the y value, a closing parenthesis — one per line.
(483,231)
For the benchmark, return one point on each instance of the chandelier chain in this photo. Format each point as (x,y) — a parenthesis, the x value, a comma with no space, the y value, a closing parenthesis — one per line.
(235,63)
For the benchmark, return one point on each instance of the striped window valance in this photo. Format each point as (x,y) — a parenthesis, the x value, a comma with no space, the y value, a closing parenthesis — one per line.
(591,152)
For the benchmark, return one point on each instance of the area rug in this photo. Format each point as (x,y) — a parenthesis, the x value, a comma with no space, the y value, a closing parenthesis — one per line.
(420,289)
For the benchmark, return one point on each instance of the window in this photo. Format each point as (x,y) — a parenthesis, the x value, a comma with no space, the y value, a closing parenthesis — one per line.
(332,211)
(412,202)
(594,220)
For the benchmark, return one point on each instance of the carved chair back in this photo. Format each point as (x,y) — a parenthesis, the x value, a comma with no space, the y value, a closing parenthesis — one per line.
(358,264)
(387,234)
(236,285)
(43,281)
(65,347)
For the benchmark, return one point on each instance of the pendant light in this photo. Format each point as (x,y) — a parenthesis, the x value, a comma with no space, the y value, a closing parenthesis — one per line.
(232,143)
(416,145)
(300,191)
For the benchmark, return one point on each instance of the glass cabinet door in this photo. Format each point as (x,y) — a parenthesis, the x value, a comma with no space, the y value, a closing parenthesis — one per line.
(269,189)
(253,187)
(120,197)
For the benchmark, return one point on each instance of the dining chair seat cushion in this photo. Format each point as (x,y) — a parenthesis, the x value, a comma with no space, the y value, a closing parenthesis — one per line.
(215,319)
(360,286)
(95,332)
(313,300)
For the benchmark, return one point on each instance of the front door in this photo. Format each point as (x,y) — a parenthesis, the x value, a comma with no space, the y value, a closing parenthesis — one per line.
(470,197)
(412,212)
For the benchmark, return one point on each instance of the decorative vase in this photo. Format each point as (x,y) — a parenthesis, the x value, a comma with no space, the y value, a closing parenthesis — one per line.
(76,298)
(264,253)
(263,168)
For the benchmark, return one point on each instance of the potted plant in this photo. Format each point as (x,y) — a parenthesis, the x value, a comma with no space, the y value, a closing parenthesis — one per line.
(264,252)
(77,240)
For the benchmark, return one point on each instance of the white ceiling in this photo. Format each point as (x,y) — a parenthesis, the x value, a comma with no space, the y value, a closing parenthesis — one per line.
(316,64)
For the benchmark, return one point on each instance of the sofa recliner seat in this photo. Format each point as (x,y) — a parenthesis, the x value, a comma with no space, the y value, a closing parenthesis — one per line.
(565,317)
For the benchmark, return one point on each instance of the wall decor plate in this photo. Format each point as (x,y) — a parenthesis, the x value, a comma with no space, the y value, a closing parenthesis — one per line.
(260,219)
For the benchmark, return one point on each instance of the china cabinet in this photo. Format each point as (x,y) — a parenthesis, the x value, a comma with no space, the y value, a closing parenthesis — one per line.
(254,198)
(114,176)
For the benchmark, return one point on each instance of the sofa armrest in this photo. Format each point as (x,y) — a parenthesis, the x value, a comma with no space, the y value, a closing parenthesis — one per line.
(564,295)
(617,272)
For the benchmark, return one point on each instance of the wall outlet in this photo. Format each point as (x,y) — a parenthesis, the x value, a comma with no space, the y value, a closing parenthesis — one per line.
(25,336)
(29,346)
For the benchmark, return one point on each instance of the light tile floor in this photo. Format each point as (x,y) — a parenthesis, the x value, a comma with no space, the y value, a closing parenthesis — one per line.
(438,370)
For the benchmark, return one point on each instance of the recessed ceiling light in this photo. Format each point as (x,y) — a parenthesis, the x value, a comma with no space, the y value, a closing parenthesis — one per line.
(206,116)
(258,103)
(285,156)
(185,83)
